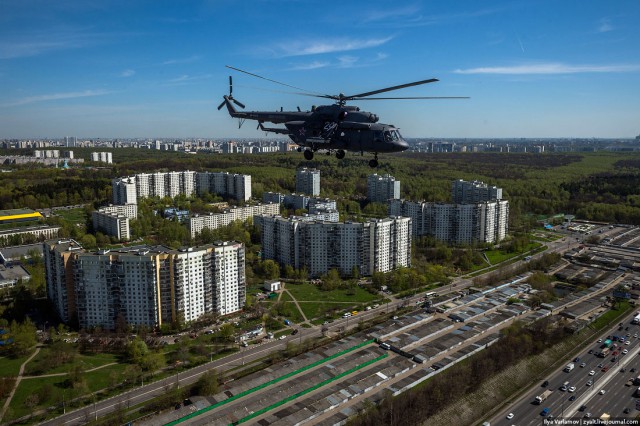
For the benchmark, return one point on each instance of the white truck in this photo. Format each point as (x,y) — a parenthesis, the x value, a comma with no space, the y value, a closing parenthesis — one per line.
(569,367)
(544,395)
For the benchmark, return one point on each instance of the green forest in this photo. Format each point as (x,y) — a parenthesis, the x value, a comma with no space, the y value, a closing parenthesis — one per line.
(601,186)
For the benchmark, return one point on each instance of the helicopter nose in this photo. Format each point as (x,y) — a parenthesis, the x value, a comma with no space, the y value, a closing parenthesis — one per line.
(402,145)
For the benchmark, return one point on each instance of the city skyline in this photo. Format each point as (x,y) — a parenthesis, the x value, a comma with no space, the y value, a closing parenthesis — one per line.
(143,69)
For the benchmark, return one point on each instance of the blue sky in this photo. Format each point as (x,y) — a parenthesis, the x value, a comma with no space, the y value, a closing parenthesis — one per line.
(132,68)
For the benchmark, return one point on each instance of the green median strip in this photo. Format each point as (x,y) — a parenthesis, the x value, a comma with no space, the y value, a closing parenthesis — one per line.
(306,391)
(269,383)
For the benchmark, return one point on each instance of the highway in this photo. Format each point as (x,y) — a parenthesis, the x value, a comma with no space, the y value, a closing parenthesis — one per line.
(253,352)
(614,401)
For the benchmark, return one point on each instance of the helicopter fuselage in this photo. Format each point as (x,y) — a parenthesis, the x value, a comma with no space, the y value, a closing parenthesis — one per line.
(330,127)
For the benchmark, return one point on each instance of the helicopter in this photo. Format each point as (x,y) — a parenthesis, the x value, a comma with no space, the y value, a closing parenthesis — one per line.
(332,128)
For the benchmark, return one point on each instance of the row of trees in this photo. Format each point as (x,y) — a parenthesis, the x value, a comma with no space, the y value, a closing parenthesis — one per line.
(416,405)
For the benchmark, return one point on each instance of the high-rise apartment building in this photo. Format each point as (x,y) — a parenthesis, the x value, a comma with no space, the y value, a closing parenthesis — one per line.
(103,157)
(481,222)
(144,285)
(382,188)
(114,220)
(319,246)
(473,192)
(124,190)
(172,184)
(308,181)
(216,220)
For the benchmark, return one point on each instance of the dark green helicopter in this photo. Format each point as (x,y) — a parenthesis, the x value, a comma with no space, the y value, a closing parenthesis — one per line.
(332,128)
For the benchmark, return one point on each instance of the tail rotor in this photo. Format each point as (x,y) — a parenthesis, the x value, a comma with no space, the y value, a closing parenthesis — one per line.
(230,97)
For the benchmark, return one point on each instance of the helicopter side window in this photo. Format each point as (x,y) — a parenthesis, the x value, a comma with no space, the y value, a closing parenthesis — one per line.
(377,135)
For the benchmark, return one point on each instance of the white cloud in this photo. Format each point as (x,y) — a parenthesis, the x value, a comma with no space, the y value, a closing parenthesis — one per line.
(390,14)
(317,47)
(127,73)
(605,26)
(186,78)
(182,60)
(550,68)
(58,96)
(311,65)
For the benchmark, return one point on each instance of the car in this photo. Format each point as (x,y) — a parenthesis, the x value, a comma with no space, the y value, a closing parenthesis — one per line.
(600,365)
(572,389)
(633,370)
(590,382)
(605,369)
(590,351)
(599,340)
(545,412)
(294,332)
(624,352)
(346,315)
(615,353)
(583,365)
(627,410)
(509,416)
(563,388)
(602,391)
(582,408)
(614,359)
(635,335)
(592,373)
(576,359)
(573,398)
(283,337)
(586,416)
(627,342)
(545,383)
(628,334)
(623,370)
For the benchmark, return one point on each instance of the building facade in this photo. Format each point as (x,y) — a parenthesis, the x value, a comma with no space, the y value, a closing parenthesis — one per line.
(473,192)
(124,190)
(481,222)
(144,285)
(319,246)
(308,181)
(114,220)
(382,188)
(197,223)
(172,184)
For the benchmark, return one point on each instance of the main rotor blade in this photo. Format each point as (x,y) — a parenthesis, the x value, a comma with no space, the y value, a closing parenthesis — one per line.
(411,97)
(230,86)
(273,81)
(388,89)
(222,104)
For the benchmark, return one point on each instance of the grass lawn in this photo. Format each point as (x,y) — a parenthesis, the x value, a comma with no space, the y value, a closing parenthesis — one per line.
(11,366)
(73,215)
(96,380)
(86,361)
(498,256)
(319,309)
(292,313)
(310,293)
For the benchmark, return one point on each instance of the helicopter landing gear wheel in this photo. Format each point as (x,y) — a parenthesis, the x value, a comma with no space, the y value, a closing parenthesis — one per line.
(299,149)
(308,154)
(340,154)
(373,163)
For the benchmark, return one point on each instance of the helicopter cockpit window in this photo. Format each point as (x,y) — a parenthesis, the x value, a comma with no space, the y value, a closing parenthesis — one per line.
(398,135)
(387,136)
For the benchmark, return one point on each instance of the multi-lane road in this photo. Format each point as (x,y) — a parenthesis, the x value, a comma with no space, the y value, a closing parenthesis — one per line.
(589,382)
